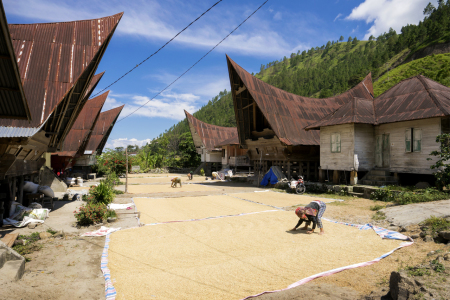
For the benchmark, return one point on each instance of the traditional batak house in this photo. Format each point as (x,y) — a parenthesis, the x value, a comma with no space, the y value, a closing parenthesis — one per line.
(232,155)
(97,140)
(389,137)
(206,138)
(76,141)
(271,122)
(56,63)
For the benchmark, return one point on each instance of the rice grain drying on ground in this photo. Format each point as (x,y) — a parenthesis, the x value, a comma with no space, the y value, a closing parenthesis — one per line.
(166,188)
(233,257)
(184,179)
(186,208)
(279,199)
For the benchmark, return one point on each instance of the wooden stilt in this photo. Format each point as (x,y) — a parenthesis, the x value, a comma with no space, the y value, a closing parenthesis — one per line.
(20,191)
(335,177)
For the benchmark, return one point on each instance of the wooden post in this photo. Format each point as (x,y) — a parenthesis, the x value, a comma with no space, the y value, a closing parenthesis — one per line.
(321,177)
(308,168)
(126,172)
(20,191)
(14,189)
(335,177)
(289,169)
(316,170)
(235,159)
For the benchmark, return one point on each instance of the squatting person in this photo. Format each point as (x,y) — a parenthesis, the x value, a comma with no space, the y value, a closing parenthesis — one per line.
(312,212)
(175,181)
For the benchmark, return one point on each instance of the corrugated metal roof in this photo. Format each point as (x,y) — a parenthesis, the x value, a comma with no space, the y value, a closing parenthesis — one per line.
(102,129)
(286,113)
(52,58)
(231,141)
(414,98)
(358,110)
(210,135)
(13,104)
(95,80)
(84,124)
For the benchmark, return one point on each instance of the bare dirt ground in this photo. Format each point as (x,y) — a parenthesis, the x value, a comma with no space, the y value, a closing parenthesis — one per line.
(69,268)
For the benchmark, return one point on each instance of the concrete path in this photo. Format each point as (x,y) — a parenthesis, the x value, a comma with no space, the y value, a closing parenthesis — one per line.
(405,215)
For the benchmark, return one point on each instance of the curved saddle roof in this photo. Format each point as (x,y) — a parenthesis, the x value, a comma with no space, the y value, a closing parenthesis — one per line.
(207,135)
(288,114)
(414,98)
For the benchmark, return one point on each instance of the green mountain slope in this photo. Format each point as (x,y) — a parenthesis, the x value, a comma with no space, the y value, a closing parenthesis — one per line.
(435,67)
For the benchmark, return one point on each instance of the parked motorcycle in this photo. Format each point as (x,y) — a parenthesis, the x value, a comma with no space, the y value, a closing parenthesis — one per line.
(298,185)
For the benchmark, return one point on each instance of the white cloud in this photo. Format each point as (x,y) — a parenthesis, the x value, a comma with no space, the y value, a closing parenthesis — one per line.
(124,142)
(169,105)
(277,16)
(385,14)
(337,17)
(161,21)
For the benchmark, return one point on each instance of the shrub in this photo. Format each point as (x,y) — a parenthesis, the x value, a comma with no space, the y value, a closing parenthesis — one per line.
(110,213)
(202,172)
(112,179)
(437,224)
(382,195)
(90,213)
(103,193)
(408,195)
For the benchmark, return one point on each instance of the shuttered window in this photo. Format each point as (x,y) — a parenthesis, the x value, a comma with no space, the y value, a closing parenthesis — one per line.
(408,140)
(417,138)
(335,142)
(413,140)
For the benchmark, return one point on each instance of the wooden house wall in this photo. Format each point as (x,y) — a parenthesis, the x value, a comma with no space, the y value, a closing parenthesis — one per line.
(342,160)
(411,162)
(365,146)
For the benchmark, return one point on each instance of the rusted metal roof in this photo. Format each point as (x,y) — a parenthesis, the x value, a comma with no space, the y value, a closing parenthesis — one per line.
(103,129)
(83,126)
(358,110)
(414,98)
(95,80)
(208,135)
(286,113)
(231,141)
(13,104)
(57,62)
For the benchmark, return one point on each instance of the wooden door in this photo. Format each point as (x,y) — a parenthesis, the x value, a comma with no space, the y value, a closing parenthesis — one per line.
(378,151)
(386,151)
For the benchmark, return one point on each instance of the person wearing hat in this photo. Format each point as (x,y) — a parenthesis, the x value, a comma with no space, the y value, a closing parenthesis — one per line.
(312,212)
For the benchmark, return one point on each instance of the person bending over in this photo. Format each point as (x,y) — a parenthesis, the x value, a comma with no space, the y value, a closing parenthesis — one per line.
(312,212)
(175,181)
(190,175)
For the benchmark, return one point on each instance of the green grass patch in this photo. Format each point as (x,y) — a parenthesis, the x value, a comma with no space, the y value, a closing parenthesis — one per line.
(377,207)
(416,271)
(117,192)
(51,231)
(110,213)
(30,245)
(378,216)
(437,224)
(408,196)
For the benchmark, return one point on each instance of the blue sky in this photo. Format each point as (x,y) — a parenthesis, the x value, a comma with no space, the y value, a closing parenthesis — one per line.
(278,29)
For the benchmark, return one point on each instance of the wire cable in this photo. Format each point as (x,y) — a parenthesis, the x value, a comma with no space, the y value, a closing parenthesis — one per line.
(159,93)
(158,49)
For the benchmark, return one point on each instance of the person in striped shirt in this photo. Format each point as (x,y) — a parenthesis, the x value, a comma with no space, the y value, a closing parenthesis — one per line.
(312,212)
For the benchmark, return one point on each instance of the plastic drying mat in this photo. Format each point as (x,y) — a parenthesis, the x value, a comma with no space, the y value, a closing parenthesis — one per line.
(166,188)
(278,199)
(185,208)
(231,258)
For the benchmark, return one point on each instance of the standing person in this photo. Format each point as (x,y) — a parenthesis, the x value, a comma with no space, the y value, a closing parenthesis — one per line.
(312,212)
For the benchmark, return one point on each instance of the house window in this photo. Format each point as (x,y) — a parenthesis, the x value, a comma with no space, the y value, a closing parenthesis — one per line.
(335,142)
(413,140)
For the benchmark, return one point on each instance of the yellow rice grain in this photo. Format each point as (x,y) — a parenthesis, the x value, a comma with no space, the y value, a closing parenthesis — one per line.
(231,258)
(279,199)
(166,188)
(186,208)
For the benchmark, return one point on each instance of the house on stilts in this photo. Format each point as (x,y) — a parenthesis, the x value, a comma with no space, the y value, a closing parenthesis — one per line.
(387,139)
(56,63)
(271,122)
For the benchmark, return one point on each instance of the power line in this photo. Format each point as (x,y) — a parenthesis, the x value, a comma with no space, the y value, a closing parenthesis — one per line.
(159,93)
(158,49)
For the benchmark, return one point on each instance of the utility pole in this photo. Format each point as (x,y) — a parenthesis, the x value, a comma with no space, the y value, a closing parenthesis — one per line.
(126,172)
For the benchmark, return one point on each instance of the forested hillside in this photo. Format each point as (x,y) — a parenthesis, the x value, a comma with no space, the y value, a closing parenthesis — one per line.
(329,70)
